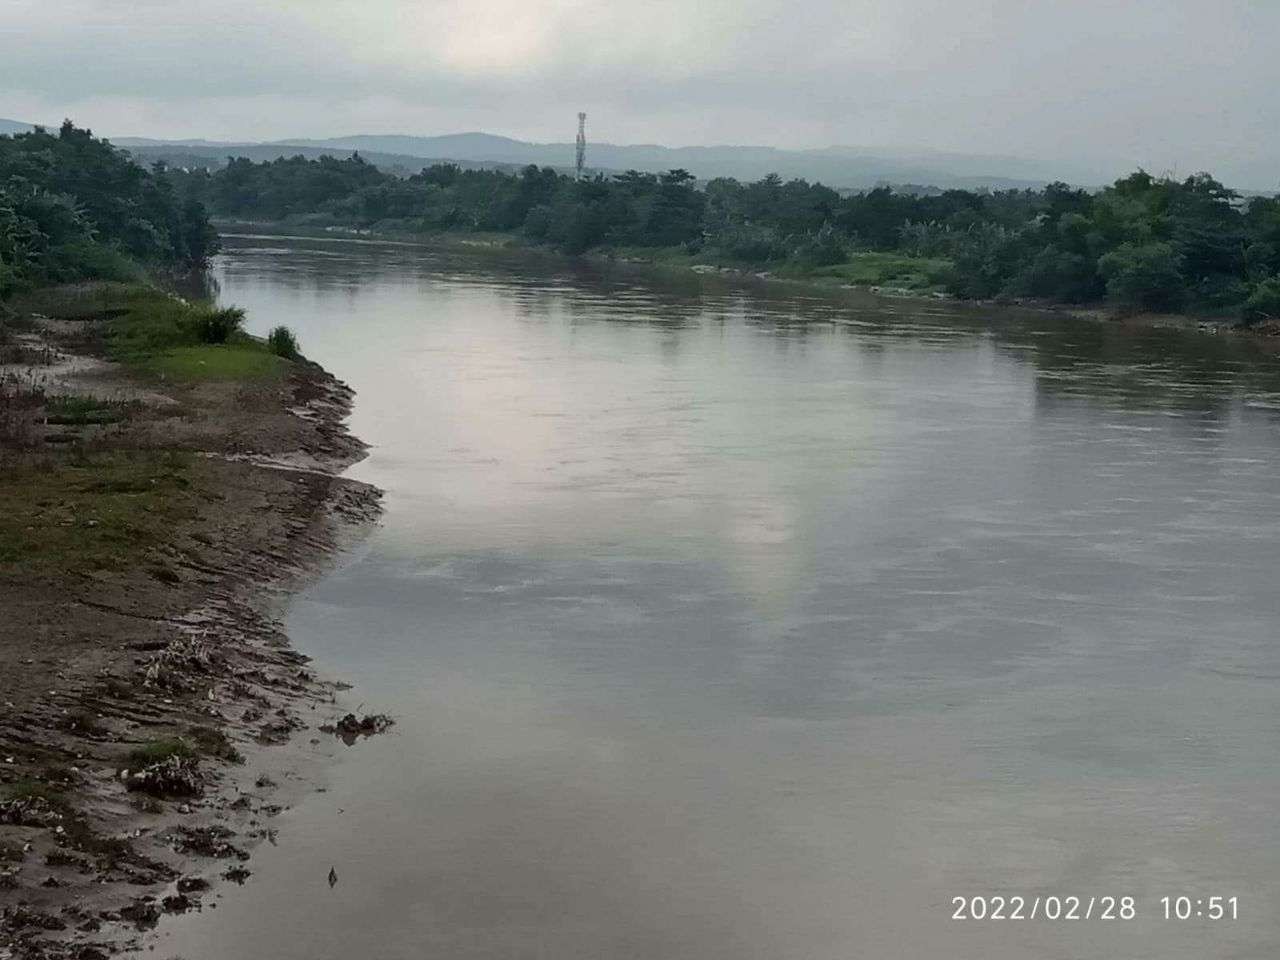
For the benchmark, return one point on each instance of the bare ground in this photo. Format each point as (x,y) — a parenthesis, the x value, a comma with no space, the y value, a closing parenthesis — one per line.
(153,717)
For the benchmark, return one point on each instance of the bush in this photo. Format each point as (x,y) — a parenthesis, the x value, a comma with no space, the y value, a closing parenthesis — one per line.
(1264,303)
(1147,276)
(83,258)
(986,257)
(1058,274)
(283,343)
(825,248)
(217,326)
(752,244)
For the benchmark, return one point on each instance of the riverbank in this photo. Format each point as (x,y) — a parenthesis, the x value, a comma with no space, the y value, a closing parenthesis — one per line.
(163,499)
(910,279)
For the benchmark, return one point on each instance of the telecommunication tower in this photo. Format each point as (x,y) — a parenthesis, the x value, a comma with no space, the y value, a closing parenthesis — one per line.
(582,146)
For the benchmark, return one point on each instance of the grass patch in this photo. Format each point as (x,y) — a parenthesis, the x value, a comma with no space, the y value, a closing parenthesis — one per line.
(240,361)
(94,513)
(873,269)
(78,411)
(196,742)
(33,790)
(160,334)
(78,301)
(864,269)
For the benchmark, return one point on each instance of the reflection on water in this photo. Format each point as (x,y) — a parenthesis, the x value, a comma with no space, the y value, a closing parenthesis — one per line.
(728,620)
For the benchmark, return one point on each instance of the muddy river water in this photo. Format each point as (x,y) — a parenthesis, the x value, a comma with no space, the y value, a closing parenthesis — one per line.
(730,620)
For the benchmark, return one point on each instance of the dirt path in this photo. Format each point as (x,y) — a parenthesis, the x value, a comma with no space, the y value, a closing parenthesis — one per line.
(153,717)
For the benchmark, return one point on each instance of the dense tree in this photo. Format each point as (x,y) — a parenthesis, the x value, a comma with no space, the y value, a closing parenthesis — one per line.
(73,206)
(1145,242)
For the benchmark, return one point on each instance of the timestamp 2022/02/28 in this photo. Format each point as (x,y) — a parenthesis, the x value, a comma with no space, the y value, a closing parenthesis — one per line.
(1091,907)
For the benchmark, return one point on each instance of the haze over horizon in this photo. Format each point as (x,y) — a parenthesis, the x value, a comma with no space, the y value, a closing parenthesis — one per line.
(1086,92)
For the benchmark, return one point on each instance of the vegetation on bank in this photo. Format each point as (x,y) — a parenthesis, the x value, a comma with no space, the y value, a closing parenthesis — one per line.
(94,512)
(1143,243)
(158,334)
(73,209)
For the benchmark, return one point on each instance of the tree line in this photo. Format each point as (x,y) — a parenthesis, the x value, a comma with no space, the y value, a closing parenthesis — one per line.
(73,207)
(1145,242)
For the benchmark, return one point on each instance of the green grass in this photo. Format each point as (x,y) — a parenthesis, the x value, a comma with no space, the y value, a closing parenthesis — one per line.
(161,335)
(197,741)
(75,411)
(864,269)
(206,361)
(283,343)
(95,513)
(31,790)
(885,270)
(78,301)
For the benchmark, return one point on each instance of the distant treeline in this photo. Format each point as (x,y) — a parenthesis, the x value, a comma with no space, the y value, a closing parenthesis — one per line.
(1145,242)
(72,207)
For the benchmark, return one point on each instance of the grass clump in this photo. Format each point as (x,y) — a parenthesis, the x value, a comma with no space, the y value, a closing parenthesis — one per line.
(283,343)
(157,751)
(876,269)
(94,513)
(214,743)
(79,411)
(194,743)
(32,790)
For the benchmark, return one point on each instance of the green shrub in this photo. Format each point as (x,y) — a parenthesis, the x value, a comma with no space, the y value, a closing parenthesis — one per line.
(83,258)
(283,343)
(824,248)
(218,325)
(752,244)
(1147,276)
(1263,303)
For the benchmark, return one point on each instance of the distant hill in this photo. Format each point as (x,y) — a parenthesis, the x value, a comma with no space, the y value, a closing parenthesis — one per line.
(14,126)
(212,155)
(834,166)
(840,167)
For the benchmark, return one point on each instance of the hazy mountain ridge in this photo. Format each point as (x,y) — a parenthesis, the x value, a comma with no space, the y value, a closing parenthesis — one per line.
(215,155)
(834,166)
(841,167)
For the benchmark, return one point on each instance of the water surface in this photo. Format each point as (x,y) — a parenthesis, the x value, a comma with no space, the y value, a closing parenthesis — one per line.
(734,621)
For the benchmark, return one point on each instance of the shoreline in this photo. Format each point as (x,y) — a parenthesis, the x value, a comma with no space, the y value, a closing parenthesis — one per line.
(106,666)
(1266,335)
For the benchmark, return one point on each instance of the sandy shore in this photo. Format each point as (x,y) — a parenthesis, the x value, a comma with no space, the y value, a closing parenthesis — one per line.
(153,717)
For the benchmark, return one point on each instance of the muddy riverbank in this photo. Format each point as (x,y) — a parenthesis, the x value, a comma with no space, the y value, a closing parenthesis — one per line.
(153,717)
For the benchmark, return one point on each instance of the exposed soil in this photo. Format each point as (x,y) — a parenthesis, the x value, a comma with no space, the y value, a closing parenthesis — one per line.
(150,710)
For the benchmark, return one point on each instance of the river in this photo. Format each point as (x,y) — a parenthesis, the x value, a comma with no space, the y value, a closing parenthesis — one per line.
(725,619)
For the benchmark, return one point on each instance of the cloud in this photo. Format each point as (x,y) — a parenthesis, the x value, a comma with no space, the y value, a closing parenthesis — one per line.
(1172,84)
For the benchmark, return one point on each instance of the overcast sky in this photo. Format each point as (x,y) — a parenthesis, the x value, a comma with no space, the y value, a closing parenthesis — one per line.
(1103,85)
